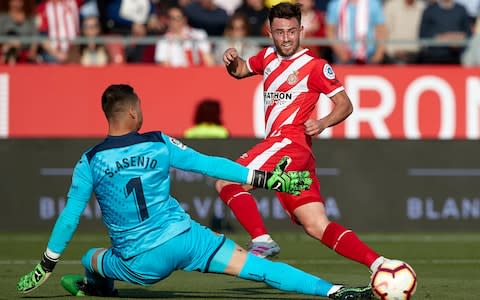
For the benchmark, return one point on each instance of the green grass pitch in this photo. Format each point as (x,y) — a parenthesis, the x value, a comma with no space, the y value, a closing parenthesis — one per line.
(447,266)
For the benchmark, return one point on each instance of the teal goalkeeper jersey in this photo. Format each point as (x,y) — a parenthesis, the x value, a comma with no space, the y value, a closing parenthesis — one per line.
(130,178)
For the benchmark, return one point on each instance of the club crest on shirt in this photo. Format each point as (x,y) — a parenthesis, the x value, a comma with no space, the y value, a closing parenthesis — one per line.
(178,143)
(328,72)
(292,78)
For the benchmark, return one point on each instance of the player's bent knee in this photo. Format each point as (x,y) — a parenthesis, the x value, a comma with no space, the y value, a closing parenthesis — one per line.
(314,231)
(92,259)
(219,184)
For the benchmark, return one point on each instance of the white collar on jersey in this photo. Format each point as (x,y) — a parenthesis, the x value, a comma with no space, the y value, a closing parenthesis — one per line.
(293,56)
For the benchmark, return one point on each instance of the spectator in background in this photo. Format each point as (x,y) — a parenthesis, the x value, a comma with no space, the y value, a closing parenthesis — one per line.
(446,21)
(208,121)
(183,46)
(356,24)
(88,8)
(59,20)
(257,15)
(402,19)
(204,14)
(131,18)
(473,9)
(236,30)
(17,18)
(471,57)
(321,5)
(90,54)
(229,6)
(313,22)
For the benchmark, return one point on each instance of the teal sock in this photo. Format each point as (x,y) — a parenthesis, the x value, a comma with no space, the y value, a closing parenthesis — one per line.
(283,277)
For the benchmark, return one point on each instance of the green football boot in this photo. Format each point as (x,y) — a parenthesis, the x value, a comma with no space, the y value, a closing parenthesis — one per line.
(353,293)
(77,286)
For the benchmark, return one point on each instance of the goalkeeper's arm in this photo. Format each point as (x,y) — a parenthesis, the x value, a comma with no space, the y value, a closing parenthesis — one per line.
(292,182)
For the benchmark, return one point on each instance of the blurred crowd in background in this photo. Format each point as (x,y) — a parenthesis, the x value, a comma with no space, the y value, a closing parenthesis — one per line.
(185,33)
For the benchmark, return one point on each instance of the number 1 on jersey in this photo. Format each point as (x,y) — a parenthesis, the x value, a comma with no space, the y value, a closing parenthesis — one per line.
(135,184)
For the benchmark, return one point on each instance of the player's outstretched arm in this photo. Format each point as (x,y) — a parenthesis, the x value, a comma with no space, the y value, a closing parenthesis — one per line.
(292,182)
(65,226)
(38,275)
(187,159)
(236,66)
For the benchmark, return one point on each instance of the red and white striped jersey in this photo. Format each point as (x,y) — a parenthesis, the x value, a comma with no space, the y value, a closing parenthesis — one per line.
(292,87)
(60,19)
(184,51)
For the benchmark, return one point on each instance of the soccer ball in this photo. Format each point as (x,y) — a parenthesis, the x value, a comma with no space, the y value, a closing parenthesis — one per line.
(394,280)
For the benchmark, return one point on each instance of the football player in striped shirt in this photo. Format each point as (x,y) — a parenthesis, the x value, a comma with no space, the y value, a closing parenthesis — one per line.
(293,81)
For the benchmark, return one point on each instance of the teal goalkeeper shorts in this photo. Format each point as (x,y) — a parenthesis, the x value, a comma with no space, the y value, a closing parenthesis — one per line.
(191,250)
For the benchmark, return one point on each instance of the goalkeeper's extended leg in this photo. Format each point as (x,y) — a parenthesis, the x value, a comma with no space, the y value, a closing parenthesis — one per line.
(285,277)
(231,259)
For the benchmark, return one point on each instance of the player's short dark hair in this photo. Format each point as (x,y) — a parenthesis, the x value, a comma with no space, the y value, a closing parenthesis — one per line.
(115,96)
(285,10)
(208,111)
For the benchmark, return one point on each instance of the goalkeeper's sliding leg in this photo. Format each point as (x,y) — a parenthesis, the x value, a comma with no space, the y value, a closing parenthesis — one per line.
(231,259)
(202,250)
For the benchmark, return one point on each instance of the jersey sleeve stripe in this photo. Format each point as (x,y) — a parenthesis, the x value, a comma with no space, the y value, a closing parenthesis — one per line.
(335,91)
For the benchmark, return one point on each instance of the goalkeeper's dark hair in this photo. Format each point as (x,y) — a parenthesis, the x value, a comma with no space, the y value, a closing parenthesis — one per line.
(285,10)
(115,97)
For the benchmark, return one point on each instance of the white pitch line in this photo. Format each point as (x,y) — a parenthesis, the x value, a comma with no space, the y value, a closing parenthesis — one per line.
(56,171)
(327,171)
(44,237)
(468,238)
(444,172)
(289,261)
(410,261)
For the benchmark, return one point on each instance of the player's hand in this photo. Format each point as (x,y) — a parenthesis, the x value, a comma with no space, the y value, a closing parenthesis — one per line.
(33,280)
(38,276)
(292,182)
(229,56)
(314,127)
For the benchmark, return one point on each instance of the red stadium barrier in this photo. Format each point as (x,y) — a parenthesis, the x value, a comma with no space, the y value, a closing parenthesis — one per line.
(390,102)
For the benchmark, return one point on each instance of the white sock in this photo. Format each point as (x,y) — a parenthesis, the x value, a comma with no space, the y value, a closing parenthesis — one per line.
(377,263)
(264,238)
(334,289)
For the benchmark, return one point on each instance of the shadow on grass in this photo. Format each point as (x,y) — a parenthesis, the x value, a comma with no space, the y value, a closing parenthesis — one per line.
(43,297)
(265,293)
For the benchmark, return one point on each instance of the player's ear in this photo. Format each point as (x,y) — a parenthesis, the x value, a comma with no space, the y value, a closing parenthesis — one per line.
(132,112)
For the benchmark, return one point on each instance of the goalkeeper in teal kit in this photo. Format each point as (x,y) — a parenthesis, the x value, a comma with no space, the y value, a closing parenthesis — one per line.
(151,234)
